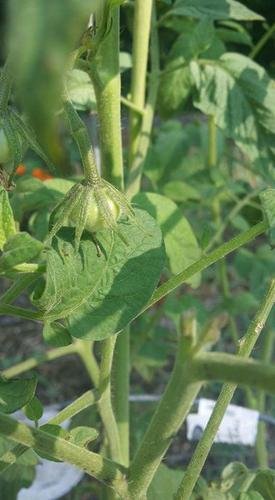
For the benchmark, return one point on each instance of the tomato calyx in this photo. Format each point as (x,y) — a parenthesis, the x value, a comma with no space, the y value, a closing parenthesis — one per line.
(92,207)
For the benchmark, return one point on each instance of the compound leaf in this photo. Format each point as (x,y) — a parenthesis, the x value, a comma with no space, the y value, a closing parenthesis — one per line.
(241,97)
(99,296)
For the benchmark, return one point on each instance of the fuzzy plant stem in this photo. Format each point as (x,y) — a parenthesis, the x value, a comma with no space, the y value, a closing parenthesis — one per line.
(261,43)
(105,401)
(93,464)
(101,377)
(5,86)
(81,137)
(142,135)
(207,260)
(86,354)
(107,86)
(106,81)
(258,402)
(212,142)
(17,287)
(141,36)
(168,417)
(37,360)
(85,401)
(247,344)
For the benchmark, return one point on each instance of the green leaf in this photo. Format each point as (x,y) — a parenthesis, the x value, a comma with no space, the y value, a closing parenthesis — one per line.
(194,42)
(34,409)
(232,36)
(18,249)
(20,475)
(32,194)
(215,9)
(175,83)
(180,191)
(82,436)
(99,296)
(181,245)
(56,335)
(15,393)
(7,224)
(268,203)
(80,90)
(264,484)
(165,153)
(165,483)
(234,476)
(251,495)
(241,97)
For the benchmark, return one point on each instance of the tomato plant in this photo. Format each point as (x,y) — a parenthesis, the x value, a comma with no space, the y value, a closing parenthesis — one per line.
(137,214)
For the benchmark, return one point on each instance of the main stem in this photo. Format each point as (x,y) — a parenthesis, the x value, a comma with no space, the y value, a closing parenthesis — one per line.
(108,90)
(247,344)
(106,81)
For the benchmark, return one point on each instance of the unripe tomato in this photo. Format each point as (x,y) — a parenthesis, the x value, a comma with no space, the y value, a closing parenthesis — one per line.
(5,154)
(97,214)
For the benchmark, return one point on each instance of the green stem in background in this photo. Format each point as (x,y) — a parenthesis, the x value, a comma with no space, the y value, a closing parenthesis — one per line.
(131,105)
(142,141)
(212,142)
(37,360)
(258,402)
(212,163)
(18,287)
(141,36)
(121,385)
(261,43)
(261,448)
(85,352)
(227,295)
(203,448)
(230,217)
(85,401)
(108,89)
(93,464)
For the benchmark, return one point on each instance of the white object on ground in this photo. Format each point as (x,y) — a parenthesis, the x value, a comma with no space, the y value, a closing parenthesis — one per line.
(239,425)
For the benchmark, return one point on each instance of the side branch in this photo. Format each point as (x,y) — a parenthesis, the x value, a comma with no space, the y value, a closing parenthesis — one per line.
(93,464)
(234,369)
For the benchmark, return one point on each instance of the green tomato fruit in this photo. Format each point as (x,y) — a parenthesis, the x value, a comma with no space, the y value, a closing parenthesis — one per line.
(95,220)
(5,154)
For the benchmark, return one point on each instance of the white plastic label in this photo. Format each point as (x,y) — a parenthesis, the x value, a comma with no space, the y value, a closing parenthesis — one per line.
(239,425)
